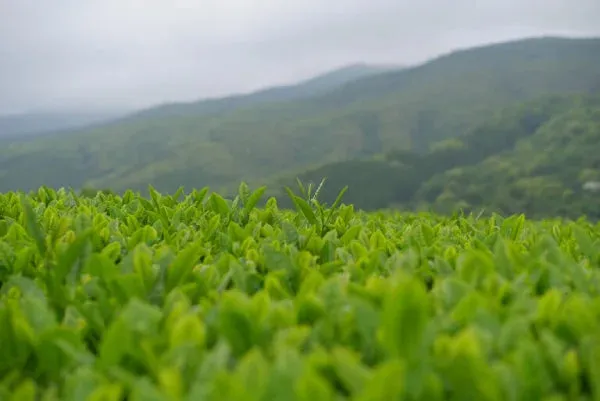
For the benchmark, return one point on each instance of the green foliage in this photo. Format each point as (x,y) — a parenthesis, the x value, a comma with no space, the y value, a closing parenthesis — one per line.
(538,171)
(532,157)
(310,207)
(198,297)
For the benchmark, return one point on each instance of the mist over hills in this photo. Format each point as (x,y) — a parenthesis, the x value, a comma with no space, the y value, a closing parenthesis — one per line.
(16,126)
(353,115)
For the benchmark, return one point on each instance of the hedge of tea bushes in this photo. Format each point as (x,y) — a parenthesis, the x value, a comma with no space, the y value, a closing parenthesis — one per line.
(194,297)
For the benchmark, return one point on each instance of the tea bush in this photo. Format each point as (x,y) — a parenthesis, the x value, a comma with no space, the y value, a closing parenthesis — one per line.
(194,297)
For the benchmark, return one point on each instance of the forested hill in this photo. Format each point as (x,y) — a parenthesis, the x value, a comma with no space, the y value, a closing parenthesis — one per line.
(409,109)
(540,157)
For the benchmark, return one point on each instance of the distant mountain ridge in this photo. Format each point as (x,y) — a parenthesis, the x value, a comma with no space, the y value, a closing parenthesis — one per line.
(505,59)
(15,126)
(410,109)
(317,85)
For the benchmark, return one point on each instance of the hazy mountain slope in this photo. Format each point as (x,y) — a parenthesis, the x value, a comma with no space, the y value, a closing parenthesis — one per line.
(18,125)
(408,109)
(543,174)
(533,157)
(311,87)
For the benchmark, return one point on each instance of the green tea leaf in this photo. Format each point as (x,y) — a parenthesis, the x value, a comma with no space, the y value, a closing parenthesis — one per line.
(404,318)
(32,225)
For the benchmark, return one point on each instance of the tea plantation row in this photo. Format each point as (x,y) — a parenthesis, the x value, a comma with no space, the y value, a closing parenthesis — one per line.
(192,297)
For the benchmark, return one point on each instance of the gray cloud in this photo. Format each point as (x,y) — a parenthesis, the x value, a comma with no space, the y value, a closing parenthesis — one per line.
(134,53)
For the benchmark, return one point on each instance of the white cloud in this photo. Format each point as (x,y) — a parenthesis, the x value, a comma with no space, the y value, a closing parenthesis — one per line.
(121,53)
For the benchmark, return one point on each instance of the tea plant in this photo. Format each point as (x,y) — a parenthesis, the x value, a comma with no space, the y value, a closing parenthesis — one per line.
(195,297)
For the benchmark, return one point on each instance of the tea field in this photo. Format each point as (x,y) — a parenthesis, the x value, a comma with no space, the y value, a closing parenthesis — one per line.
(192,297)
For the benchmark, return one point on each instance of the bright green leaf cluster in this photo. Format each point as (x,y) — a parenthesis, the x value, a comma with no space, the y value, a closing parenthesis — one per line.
(196,297)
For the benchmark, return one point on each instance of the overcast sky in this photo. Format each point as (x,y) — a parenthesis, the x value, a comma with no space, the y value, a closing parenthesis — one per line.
(132,53)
